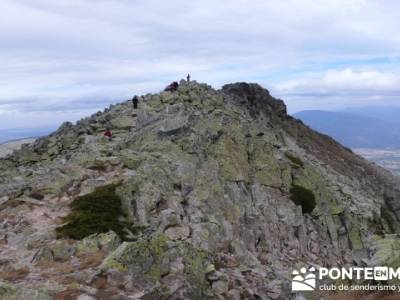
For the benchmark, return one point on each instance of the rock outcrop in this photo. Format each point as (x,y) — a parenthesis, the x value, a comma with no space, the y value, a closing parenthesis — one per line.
(224,195)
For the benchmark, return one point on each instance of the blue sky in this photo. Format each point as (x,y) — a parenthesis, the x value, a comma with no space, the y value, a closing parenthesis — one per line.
(65,59)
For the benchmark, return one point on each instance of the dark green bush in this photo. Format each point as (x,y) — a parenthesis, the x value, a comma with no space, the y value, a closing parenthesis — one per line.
(304,197)
(295,160)
(97,212)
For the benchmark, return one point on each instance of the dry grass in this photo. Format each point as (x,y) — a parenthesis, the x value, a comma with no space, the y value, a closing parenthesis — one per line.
(100,283)
(91,260)
(107,295)
(67,295)
(66,280)
(63,267)
(57,271)
(9,218)
(12,274)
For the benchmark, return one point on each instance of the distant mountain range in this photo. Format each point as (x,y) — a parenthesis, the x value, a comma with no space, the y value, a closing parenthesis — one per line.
(384,113)
(357,127)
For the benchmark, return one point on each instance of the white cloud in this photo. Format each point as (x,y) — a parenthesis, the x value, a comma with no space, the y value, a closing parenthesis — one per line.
(54,54)
(335,89)
(346,81)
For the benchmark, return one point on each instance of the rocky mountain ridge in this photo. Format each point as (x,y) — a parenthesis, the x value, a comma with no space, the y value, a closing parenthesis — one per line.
(223,195)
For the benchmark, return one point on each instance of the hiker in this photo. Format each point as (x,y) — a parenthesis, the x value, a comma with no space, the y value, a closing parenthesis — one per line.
(188,77)
(172,87)
(135,101)
(108,134)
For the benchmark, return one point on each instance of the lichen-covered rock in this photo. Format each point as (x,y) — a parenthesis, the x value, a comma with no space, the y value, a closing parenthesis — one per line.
(62,251)
(386,251)
(43,255)
(139,257)
(174,124)
(108,241)
(88,244)
(4,199)
(35,294)
(122,122)
(130,159)
(8,291)
(231,154)
(159,260)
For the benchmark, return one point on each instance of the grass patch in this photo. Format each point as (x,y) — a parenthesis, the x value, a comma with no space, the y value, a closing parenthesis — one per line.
(68,294)
(295,160)
(91,260)
(11,274)
(303,197)
(97,212)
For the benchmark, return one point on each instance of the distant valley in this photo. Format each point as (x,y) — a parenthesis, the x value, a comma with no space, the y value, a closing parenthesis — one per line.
(389,159)
(12,139)
(373,132)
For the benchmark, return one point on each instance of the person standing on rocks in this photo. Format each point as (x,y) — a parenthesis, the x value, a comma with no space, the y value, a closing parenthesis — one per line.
(188,78)
(135,101)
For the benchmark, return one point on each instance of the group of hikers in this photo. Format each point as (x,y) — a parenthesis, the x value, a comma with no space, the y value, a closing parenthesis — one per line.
(172,87)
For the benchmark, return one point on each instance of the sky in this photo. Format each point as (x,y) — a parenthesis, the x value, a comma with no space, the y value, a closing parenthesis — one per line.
(66,59)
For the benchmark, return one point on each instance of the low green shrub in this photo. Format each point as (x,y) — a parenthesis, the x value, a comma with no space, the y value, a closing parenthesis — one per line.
(97,212)
(295,160)
(303,197)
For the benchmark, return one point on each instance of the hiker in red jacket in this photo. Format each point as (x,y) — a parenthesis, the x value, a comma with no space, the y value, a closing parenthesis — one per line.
(172,87)
(108,134)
